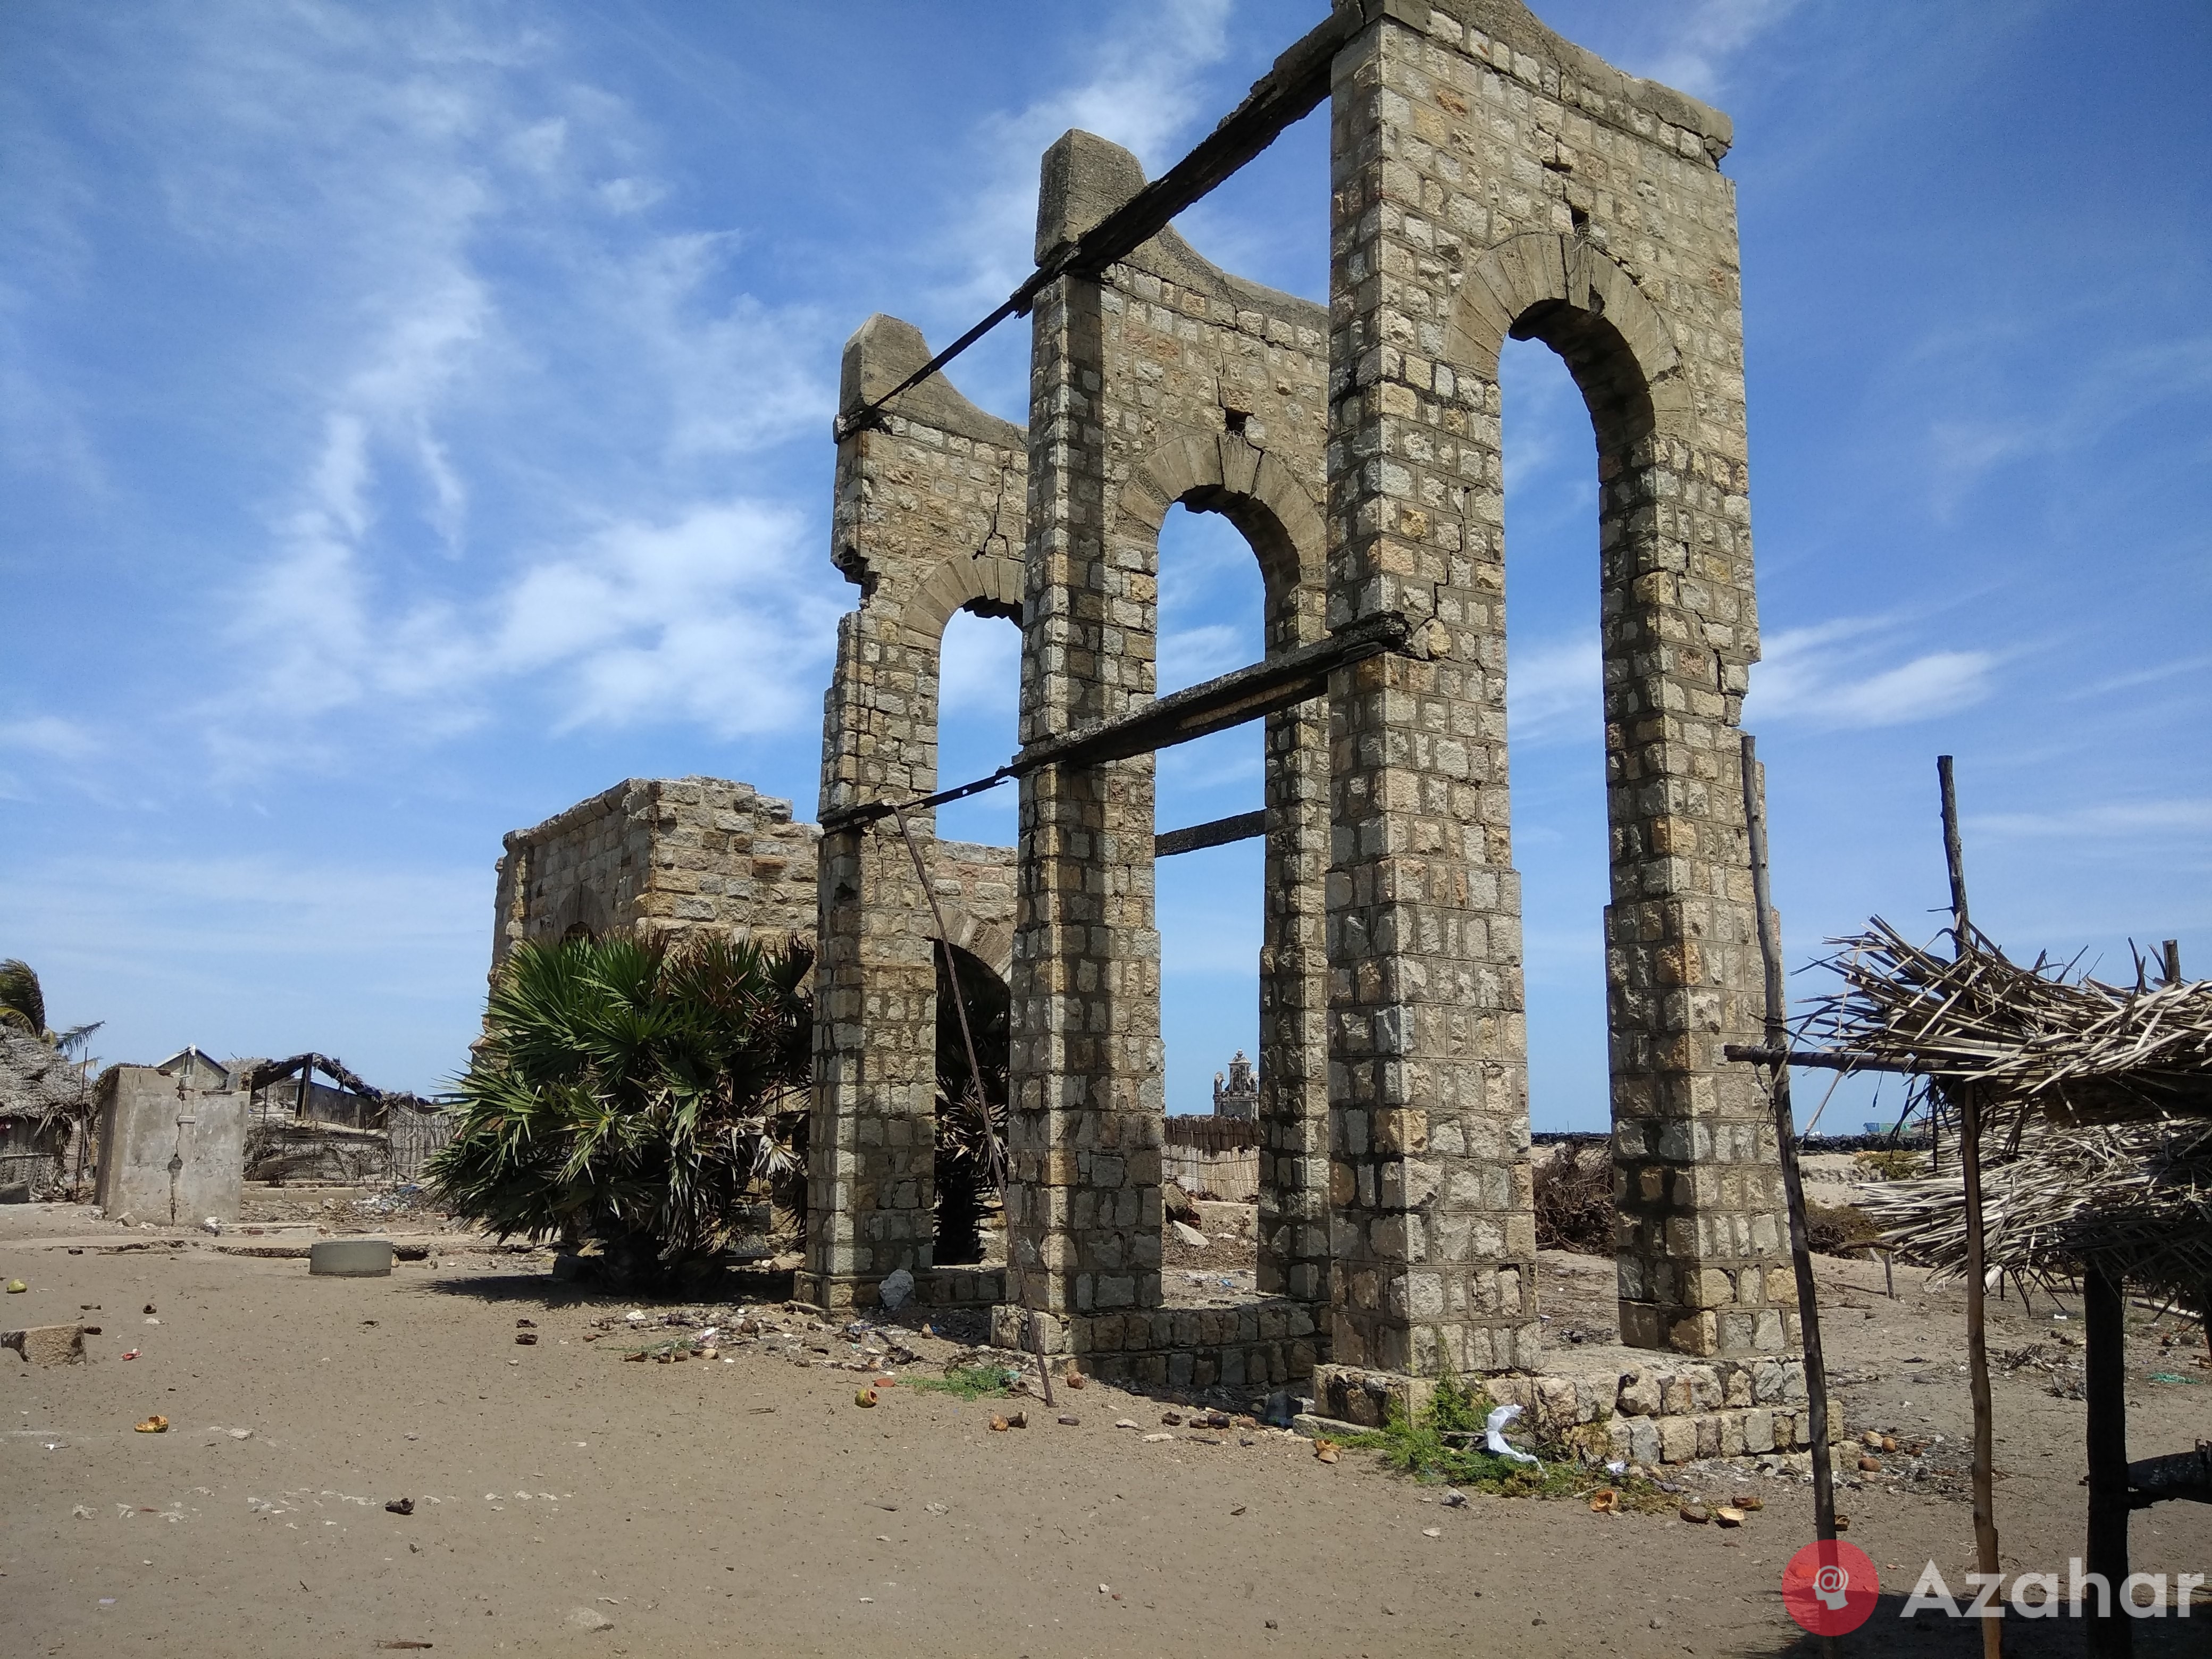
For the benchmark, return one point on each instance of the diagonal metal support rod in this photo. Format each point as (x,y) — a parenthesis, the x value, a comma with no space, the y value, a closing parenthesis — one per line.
(1288,92)
(1214,705)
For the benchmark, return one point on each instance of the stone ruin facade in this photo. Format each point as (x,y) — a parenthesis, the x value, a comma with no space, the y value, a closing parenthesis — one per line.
(676,855)
(1489,181)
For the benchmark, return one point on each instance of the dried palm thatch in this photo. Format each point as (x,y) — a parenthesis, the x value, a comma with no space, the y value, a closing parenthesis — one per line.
(37,1081)
(2096,1101)
(2135,1198)
(2078,1050)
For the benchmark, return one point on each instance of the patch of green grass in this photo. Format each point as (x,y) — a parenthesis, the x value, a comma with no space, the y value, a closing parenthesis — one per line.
(967,1382)
(1442,1442)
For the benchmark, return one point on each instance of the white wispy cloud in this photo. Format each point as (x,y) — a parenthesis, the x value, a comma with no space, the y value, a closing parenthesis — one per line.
(1843,674)
(1703,45)
(1191,654)
(469,237)
(2134,820)
(1147,64)
(1554,690)
(51,735)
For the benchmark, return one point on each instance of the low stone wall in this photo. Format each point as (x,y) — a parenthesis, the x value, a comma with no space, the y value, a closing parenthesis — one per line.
(1260,1343)
(1649,1414)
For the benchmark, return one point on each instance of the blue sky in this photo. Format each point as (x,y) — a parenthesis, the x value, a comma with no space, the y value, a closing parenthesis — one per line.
(413,418)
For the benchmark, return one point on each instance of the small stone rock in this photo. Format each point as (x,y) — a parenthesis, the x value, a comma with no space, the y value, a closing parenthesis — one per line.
(401,1506)
(588,1619)
(895,1290)
(1187,1234)
(1067,1421)
(1433,1532)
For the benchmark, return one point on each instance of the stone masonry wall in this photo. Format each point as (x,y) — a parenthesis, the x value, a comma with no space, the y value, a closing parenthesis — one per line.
(1491,180)
(1165,381)
(668,854)
(927,521)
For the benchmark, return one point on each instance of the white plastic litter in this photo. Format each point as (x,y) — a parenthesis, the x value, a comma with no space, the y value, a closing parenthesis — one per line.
(1494,1436)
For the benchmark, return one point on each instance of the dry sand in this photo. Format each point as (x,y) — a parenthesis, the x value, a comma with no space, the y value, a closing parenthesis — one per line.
(752,1506)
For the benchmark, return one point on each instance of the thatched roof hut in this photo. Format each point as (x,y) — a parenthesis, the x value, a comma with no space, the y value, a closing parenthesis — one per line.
(37,1083)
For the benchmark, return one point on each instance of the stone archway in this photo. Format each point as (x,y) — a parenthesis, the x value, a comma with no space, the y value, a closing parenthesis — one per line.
(1276,515)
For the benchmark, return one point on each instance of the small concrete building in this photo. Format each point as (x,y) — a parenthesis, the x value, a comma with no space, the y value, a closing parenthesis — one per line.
(172,1140)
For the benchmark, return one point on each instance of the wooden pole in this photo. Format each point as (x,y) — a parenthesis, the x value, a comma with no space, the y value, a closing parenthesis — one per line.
(1970,1169)
(1793,1184)
(2105,1381)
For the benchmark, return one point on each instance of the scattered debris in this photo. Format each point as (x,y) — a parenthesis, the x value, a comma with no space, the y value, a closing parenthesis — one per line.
(16,1287)
(155,1425)
(867,1397)
(1694,1512)
(401,1506)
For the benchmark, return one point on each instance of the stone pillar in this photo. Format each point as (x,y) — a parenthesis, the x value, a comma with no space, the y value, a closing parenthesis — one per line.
(1435,1237)
(1493,180)
(1293,1108)
(1083,1214)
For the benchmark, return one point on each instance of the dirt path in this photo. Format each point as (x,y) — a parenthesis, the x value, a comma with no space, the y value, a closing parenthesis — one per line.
(706,1505)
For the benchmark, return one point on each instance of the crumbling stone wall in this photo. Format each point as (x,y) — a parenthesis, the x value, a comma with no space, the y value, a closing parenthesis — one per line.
(928,521)
(1489,179)
(667,854)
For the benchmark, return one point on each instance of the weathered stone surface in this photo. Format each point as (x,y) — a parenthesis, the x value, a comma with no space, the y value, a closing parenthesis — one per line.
(47,1345)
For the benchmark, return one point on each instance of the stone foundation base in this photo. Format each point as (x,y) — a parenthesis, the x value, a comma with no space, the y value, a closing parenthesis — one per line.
(1651,1414)
(1261,1343)
(941,1287)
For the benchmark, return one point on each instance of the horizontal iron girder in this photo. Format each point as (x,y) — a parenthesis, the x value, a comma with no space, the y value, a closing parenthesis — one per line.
(1243,826)
(1215,705)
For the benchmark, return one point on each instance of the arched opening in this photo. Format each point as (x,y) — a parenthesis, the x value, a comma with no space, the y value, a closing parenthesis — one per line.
(1555,719)
(966,1196)
(1213,615)
(979,668)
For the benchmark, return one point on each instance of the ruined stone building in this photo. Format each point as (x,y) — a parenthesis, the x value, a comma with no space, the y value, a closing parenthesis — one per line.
(1489,180)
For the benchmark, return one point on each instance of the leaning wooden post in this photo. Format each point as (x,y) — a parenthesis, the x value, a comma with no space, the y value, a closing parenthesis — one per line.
(1785,1131)
(1970,1168)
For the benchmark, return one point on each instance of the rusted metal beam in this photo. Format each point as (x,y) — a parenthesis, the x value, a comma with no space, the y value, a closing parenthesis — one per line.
(1822,1060)
(1288,92)
(1244,826)
(1199,711)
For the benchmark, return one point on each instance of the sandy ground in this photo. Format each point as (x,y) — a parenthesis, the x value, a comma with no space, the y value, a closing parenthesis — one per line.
(752,1506)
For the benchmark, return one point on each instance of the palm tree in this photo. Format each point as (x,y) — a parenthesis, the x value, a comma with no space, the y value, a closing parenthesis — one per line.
(635,1092)
(23,1008)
